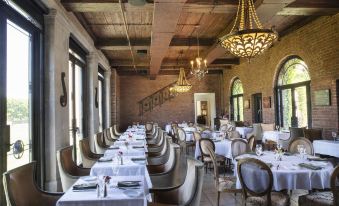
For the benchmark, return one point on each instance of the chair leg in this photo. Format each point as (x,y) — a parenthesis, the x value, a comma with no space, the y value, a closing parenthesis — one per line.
(218,198)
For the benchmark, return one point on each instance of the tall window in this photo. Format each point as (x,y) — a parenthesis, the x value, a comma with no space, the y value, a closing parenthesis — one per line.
(100,98)
(75,96)
(293,94)
(237,106)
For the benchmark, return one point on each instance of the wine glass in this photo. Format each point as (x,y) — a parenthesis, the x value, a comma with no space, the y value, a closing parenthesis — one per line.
(258,149)
(277,127)
(279,146)
(334,135)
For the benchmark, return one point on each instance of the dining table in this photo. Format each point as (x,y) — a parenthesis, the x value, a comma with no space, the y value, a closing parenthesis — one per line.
(222,147)
(326,147)
(243,131)
(292,172)
(275,136)
(124,161)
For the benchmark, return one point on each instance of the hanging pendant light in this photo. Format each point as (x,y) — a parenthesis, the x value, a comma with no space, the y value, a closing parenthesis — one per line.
(182,84)
(247,37)
(199,65)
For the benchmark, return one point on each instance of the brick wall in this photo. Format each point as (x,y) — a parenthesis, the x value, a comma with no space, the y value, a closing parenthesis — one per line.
(180,108)
(317,44)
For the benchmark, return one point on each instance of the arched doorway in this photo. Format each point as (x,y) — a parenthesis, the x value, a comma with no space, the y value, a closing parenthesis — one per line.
(293,108)
(237,103)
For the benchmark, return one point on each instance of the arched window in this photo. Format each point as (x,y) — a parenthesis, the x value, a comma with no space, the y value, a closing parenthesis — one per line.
(237,106)
(293,94)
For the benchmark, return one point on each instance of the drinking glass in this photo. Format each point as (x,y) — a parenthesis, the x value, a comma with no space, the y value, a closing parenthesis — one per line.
(279,146)
(258,149)
(101,184)
(334,135)
(277,127)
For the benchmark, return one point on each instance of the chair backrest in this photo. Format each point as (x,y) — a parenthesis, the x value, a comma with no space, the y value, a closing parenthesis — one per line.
(100,146)
(238,147)
(197,136)
(182,135)
(335,185)
(116,131)
(69,171)
(234,135)
(223,128)
(215,164)
(267,127)
(191,124)
(87,156)
(112,133)
(251,143)
(293,145)
(21,189)
(296,132)
(149,127)
(257,131)
(190,191)
(313,134)
(247,169)
(108,140)
(204,143)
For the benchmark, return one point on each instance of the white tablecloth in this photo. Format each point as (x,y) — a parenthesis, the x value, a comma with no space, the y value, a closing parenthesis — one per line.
(326,147)
(129,168)
(115,196)
(222,147)
(289,175)
(275,136)
(244,131)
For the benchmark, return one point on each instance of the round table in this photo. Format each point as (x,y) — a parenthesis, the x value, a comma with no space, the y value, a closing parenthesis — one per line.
(287,174)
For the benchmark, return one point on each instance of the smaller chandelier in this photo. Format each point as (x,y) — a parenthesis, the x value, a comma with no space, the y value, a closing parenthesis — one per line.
(246,39)
(182,84)
(199,65)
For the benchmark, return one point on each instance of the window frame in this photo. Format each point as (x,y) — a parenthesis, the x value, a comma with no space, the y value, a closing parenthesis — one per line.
(278,96)
(236,96)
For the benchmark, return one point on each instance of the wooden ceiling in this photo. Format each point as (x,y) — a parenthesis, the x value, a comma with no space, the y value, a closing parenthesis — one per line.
(157,37)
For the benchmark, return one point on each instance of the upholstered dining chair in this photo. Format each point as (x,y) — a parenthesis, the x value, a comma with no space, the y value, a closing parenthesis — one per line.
(69,171)
(294,133)
(251,143)
(233,135)
(88,157)
(223,128)
(116,131)
(256,132)
(112,134)
(223,184)
(313,134)
(262,194)
(189,193)
(204,143)
(149,127)
(100,146)
(293,146)
(21,189)
(181,138)
(107,137)
(327,198)
(238,147)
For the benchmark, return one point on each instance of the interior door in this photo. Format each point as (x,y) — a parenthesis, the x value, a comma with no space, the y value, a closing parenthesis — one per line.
(257,108)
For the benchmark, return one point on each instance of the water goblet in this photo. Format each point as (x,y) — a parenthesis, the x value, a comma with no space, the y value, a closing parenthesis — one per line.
(334,135)
(258,149)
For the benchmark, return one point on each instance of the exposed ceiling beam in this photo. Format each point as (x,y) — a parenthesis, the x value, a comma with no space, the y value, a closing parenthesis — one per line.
(131,72)
(174,63)
(165,18)
(140,44)
(109,6)
(299,7)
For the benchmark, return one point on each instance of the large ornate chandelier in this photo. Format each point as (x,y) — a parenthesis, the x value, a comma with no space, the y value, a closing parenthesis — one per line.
(247,37)
(182,84)
(199,65)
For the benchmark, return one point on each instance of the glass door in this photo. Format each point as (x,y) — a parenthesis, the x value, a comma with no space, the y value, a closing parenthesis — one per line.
(257,108)
(75,104)
(18,100)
